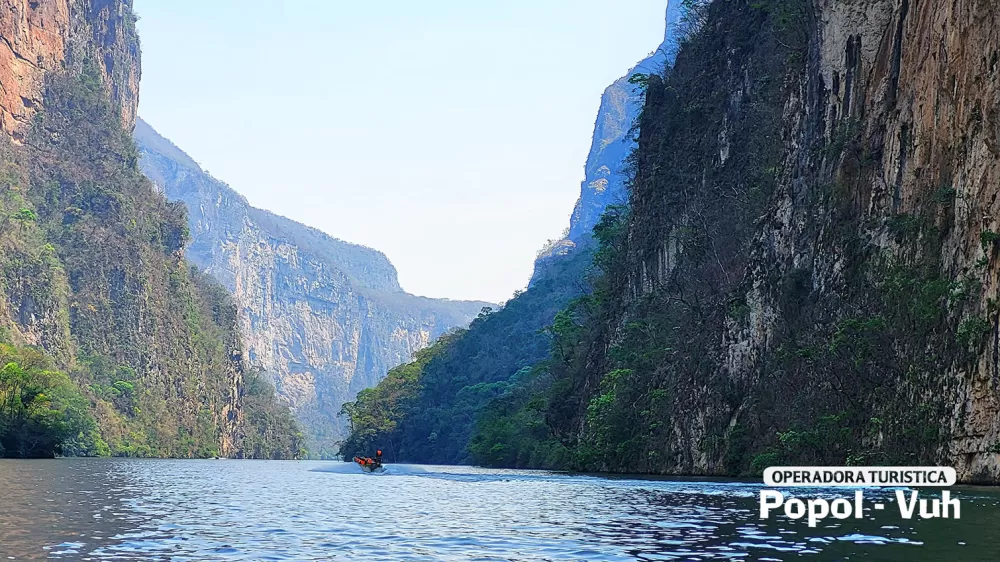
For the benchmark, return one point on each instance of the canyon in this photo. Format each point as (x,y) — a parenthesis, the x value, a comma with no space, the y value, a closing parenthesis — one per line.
(804,272)
(323,318)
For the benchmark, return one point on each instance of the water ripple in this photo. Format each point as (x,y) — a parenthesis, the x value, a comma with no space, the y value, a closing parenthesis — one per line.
(226,510)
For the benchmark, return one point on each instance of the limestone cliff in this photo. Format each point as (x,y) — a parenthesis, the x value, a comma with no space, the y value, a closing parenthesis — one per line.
(807,269)
(808,272)
(92,269)
(323,317)
(919,84)
(41,37)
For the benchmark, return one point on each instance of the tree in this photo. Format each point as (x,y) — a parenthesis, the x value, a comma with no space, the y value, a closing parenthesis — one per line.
(40,409)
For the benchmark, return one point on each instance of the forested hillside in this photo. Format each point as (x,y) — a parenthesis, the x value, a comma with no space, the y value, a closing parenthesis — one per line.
(114,344)
(424,411)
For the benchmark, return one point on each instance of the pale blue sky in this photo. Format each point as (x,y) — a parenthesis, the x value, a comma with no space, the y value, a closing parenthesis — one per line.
(449,134)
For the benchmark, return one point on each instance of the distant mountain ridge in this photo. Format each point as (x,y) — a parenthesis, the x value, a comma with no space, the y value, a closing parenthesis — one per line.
(325,318)
(367,266)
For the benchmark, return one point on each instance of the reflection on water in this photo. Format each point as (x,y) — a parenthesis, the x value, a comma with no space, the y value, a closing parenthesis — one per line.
(241,510)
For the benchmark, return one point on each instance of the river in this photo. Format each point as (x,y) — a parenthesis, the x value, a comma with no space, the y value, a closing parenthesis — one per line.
(111,509)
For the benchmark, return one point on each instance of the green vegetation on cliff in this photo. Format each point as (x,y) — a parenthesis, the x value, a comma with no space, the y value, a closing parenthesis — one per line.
(639,352)
(42,412)
(759,301)
(272,432)
(92,273)
(646,373)
(425,411)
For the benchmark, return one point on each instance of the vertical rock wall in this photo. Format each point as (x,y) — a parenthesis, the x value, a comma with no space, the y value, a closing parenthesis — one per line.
(38,37)
(889,147)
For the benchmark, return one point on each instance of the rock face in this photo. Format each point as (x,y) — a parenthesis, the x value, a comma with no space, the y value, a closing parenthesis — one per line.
(621,103)
(820,179)
(323,317)
(921,82)
(40,37)
(808,272)
(92,267)
(606,175)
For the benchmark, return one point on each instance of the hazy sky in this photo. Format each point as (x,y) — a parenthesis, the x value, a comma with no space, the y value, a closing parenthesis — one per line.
(449,134)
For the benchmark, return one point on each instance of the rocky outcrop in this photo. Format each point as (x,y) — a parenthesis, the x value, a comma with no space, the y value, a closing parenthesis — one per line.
(606,174)
(920,81)
(34,41)
(605,171)
(323,317)
(41,37)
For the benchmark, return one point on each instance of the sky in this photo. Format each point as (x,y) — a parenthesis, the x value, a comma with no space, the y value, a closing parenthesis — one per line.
(449,134)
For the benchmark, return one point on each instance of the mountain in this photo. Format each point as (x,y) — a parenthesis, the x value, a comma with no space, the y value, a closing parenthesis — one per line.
(607,168)
(324,318)
(804,274)
(109,342)
(431,404)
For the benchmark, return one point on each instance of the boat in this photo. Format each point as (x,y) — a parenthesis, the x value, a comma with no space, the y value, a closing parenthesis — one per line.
(369,465)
